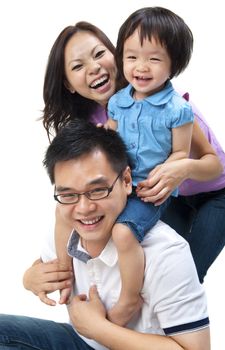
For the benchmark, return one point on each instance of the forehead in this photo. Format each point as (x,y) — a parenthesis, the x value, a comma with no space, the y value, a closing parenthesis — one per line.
(79,173)
(81,43)
(135,38)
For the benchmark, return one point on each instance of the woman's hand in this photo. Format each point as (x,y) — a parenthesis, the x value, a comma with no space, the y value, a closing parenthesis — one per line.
(162,181)
(88,316)
(43,278)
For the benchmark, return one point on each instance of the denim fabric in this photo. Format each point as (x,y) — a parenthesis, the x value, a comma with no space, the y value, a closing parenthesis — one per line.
(27,333)
(200,219)
(139,216)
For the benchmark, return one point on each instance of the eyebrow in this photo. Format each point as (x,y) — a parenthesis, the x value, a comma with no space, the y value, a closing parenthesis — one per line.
(79,59)
(102,180)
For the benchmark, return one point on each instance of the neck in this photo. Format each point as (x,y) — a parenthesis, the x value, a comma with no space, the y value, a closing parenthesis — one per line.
(93,248)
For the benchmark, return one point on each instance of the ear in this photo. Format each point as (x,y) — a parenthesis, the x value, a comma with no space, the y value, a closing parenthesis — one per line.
(69,87)
(127,180)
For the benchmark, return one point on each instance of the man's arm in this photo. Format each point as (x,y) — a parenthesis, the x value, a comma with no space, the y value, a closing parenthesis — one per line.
(89,318)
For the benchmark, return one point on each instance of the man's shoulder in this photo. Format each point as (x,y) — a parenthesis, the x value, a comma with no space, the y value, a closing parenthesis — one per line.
(162,235)
(162,241)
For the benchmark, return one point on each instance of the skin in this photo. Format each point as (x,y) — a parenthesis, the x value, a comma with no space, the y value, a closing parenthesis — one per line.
(89,67)
(47,277)
(146,67)
(92,219)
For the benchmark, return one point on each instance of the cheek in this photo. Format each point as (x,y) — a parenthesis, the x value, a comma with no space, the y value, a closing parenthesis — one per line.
(66,213)
(78,82)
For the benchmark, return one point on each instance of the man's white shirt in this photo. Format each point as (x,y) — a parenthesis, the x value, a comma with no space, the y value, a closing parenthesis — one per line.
(174,300)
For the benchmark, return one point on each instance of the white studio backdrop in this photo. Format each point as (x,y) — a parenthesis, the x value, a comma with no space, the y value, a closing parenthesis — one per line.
(27,31)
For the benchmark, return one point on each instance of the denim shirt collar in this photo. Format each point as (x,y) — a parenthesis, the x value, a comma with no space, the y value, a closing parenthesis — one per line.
(108,256)
(159,98)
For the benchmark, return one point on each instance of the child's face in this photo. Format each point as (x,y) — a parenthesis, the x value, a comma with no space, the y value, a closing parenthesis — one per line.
(146,67)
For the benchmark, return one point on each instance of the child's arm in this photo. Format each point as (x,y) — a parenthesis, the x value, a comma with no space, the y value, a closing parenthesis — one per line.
(43,278)
(62,233)
(181,142)
(150,191)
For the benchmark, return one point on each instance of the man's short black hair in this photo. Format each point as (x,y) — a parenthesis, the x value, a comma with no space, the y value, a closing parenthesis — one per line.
(79,138)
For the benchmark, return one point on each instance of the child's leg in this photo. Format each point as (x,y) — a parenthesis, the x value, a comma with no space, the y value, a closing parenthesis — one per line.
(62,233)
(131,263)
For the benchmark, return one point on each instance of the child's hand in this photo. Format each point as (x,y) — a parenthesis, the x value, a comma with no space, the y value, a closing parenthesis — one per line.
(43,278)
(100,125)
(106,125)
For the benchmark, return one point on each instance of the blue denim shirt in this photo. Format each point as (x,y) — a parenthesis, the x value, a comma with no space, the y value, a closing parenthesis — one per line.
(145,126)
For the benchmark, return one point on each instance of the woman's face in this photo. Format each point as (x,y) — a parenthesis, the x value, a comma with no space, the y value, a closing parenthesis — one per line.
(89,67)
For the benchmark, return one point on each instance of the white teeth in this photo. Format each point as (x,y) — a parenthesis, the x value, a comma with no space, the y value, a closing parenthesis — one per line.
(99,81)
(91,222)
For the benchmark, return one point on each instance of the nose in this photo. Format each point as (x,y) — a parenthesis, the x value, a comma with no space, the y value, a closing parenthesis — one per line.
(84,206)
(142,66)
(94,67)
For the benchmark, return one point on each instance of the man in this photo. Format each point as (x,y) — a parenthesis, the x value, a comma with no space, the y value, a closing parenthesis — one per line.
(88,166)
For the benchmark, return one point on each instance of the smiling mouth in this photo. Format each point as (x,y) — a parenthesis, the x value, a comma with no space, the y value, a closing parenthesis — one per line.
(91,221)
(100,82)
(143,78)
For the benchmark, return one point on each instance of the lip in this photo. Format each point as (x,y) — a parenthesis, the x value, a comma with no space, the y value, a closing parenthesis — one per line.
(90,224)
(104,83)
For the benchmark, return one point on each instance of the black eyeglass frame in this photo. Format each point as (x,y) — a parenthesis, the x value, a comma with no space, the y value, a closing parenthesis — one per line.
(86,194)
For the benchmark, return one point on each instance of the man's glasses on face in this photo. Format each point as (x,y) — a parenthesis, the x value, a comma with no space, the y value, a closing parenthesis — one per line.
(93,195)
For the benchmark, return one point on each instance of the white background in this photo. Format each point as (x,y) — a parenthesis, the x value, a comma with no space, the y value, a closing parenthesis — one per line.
(27,31)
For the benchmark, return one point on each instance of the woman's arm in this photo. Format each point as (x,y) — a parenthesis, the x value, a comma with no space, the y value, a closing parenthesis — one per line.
(43,278)
(167,176)
(89,318)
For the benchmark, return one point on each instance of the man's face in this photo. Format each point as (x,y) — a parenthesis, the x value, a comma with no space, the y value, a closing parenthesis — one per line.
(93,220)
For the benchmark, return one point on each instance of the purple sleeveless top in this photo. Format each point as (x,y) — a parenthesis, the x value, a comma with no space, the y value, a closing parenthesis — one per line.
(100,116)
(190,187)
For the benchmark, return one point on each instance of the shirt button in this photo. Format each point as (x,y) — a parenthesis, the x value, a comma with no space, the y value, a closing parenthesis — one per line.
(133,125)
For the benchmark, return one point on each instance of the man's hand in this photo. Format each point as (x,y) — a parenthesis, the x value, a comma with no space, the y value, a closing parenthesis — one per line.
(87,315)
(43,278)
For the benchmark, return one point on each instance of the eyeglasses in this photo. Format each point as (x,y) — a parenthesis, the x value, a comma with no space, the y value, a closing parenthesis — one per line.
(93,195)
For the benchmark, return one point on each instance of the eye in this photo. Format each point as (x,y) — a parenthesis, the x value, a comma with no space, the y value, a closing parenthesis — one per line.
(155,59)
(100,53)
(98,193)
(131,57)
(77,67)
(68,197)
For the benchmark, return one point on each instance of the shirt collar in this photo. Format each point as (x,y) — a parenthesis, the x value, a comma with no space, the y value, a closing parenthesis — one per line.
(125,98)
(108,256)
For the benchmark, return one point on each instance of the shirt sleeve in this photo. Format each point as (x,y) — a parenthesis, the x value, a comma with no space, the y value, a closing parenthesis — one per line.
(179,300)
(182,115)
(48,251)
(112,108)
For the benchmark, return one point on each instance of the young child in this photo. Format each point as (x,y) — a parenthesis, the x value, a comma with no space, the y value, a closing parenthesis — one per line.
(153,46)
